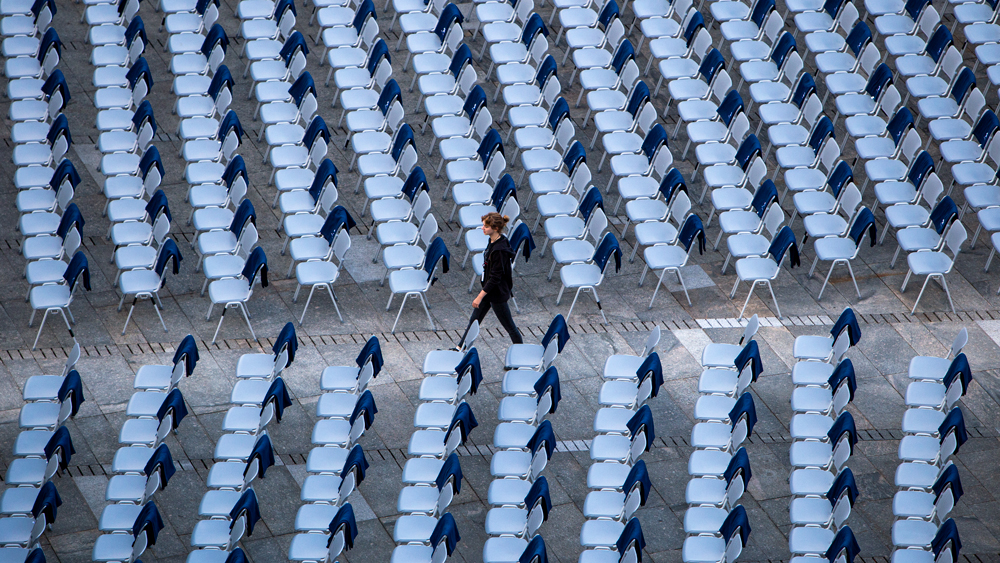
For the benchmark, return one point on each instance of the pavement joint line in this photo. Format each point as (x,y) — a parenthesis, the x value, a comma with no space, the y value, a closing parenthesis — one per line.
(451,336)
(485,450)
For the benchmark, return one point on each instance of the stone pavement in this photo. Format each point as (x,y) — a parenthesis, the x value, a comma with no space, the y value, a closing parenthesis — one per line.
(891,338)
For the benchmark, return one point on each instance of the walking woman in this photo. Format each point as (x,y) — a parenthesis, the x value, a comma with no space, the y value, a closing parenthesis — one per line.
(497,278)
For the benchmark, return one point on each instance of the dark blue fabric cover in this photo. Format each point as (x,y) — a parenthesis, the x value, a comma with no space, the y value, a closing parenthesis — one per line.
(437,251)
(631,536)
(750,354)
(643,418)
(451,470)
(539,492)
(47,501)
(693,228)
(77,265)
(737,520)
(174,401)
(64,171)
(638,476)
(949,478)
(60,441)
(843,483)
(286,338)
(849,321)
(344,519)
(256,262)
(744,406)
(844,370)
(543,436)
(262,451)
(72,389)
(162,461)
(356,461)
(464,420)
(959,368)
(549,381)
(70,217)
(955,420)
(168,252)
(365,407)
(739,464)
(246,505)
(56,81)
(535,552)
(947,534)
(844,542)
(188,351)
(446,530)
(469,367)
(149,522)
(557,328)
(844,425)
(278,392)
(237,556)
(373,350)
(651,367)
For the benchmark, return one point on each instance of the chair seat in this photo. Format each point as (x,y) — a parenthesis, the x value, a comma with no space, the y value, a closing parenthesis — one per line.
(600,533)
(118,517)
(750,269)
(809,540)
(503,550)
(510,464)
(711,435)
(708,463)
(113,547)
(703,549)
(913,533)
(716,381)
(810,454)
(902,216)
(749,50)
(131,459)
(835,248)
(811,373)
(810,482)
(810,426)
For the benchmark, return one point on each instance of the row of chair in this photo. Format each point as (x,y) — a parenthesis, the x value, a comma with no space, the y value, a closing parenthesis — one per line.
(928,481)
(29,504)
(716,525)
(137,210)
(524,442)
(823,439)
(618,480)
(432,475)
(143,464)
(50,223)
(336,465)
(230,509)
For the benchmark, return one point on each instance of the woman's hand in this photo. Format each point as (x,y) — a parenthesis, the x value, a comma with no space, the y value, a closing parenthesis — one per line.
(478,299)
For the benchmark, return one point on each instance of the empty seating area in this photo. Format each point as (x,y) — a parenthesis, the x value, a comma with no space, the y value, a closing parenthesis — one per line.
(301,163)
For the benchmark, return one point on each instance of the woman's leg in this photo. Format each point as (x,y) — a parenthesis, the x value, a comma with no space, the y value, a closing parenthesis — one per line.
(507,321)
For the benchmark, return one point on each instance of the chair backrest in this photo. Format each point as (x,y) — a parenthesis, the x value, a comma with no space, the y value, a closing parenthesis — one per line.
(680,208)
(702,42)
(890,101)
(421,206)
(773,220)
(910,145)
(931,190)
(954,240)
(829,156)
(850,201)
(869,58)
